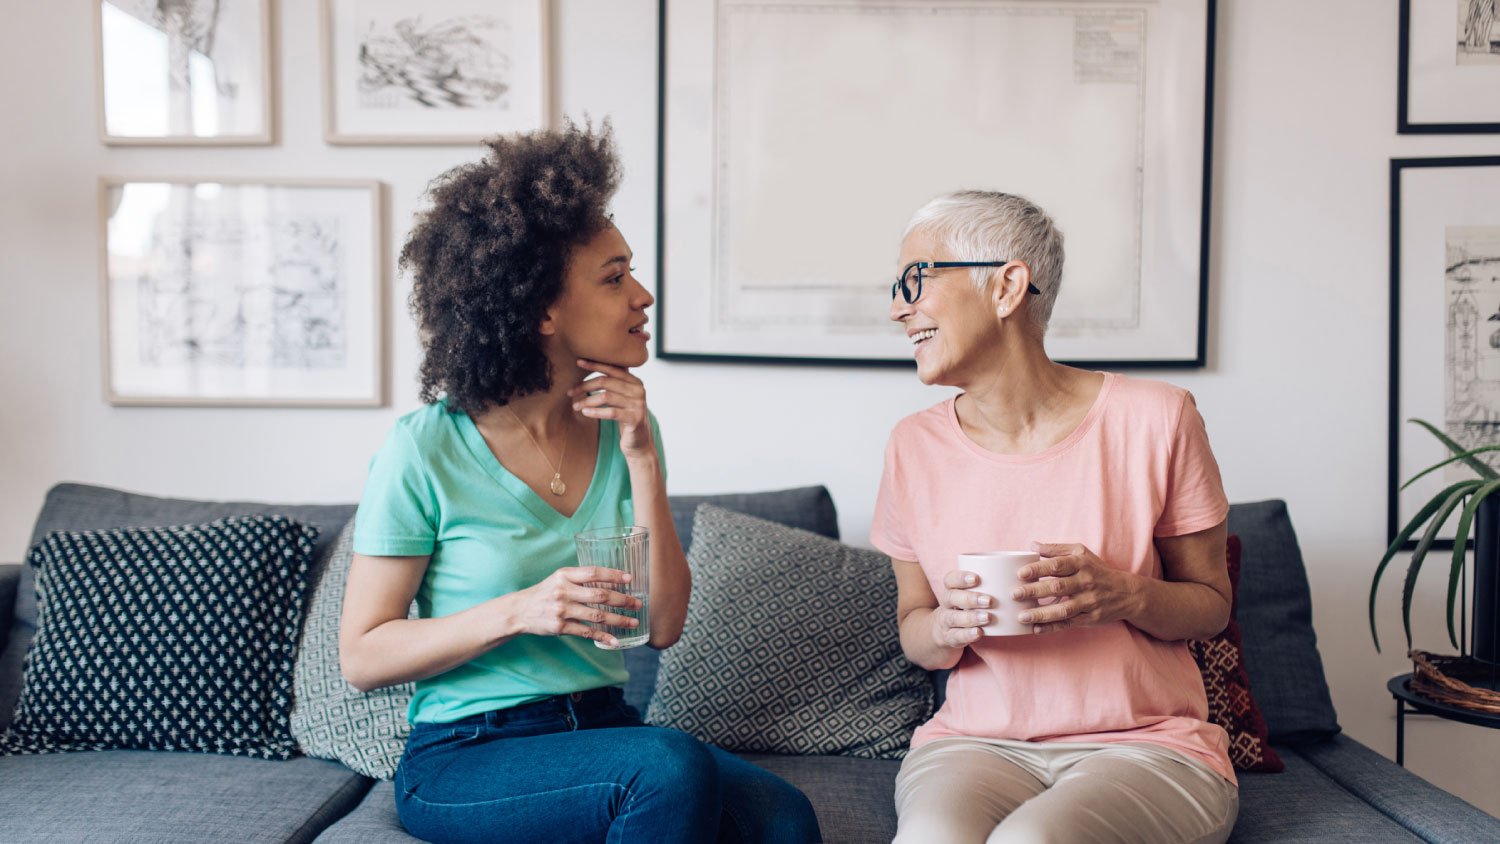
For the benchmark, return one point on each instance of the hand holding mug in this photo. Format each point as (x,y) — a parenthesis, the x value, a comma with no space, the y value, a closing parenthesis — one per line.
(1088,591)
(961,613)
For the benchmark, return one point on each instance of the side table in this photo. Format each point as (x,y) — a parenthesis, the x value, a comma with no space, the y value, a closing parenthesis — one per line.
(1409,701)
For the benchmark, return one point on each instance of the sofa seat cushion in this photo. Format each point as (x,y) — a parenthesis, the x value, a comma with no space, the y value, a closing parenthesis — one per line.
(158,797)
(373,821)
(1302,804)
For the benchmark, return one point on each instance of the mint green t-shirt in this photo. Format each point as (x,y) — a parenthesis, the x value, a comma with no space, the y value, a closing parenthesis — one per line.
(435,488)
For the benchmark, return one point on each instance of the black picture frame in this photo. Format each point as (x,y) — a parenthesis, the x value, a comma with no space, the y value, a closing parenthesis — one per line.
(1197,359)
(1398,410)
(1404,125)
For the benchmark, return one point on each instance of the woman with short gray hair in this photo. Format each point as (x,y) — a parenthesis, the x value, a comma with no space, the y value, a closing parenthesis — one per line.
(1092,724)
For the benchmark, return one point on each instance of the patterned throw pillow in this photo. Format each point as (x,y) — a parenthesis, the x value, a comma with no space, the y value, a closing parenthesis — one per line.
(176,638)
(330,718)
(758,671)
(1221,660)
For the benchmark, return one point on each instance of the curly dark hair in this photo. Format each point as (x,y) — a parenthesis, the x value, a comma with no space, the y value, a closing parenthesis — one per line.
(488,259)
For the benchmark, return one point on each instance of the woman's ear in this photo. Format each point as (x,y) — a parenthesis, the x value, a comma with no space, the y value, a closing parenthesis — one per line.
(1009,291)
(549,323)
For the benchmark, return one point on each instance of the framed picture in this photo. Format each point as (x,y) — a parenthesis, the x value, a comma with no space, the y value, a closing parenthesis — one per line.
(798,138)
(1445,321)
(189,72)
(1449,71)
(231,292)
(435,71)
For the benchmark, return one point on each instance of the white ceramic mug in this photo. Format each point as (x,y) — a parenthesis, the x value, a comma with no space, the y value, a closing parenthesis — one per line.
(999,574)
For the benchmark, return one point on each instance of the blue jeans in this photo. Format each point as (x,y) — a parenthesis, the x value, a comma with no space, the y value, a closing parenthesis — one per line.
(583,768)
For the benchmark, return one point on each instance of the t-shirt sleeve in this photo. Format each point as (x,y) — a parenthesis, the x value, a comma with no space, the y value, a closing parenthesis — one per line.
(397,516)
(888,531)
(1195,497)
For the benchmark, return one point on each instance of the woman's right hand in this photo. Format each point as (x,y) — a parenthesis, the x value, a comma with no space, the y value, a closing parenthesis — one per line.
(559,605)
(960,612)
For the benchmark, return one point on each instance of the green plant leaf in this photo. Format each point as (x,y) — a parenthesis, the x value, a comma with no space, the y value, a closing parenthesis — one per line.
(1411,527)
(1477,465)
(1454,459)
(1460,544)
(1419,553)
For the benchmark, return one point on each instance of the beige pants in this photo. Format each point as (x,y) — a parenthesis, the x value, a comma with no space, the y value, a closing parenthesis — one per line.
(989,791)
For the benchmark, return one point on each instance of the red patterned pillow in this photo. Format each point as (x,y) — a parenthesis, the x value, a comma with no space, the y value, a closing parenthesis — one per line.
(1222,663)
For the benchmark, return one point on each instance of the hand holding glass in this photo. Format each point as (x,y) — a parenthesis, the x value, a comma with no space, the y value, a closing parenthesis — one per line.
(627,549)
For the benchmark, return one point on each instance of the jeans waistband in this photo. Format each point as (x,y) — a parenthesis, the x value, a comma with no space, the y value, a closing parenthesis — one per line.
(584,702)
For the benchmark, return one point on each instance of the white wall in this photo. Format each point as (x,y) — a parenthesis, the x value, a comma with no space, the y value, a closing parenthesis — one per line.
(1295,395)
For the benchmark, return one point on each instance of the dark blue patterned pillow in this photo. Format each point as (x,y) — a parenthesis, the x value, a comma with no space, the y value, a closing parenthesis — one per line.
(176,638)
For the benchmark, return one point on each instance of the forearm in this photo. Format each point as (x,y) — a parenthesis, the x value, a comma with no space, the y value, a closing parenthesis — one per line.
(671,582)
(403,650)
(919,644)
(1179,610)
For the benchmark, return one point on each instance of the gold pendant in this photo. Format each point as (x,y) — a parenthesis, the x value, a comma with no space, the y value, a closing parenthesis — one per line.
(557,486)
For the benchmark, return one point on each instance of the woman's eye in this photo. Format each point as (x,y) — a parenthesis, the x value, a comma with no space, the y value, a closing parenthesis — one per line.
(616,279)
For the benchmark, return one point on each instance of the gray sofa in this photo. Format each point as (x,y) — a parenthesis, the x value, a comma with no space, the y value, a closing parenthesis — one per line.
(1333,789)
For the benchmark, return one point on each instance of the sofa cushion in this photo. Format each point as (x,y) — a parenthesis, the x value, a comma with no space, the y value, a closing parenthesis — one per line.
(75,507)
(373,821)
(165,639)
(10,580)
(330,718)
(810,508)
(1303,806)
(158,798)
(758,671)
(1275,617)
(854,798)
(1221,662)
(12,656)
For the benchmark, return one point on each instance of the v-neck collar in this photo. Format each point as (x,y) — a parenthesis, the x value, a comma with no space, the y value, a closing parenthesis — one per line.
(544,513)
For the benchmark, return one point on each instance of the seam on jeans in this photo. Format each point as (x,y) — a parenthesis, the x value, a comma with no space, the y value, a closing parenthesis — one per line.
(499,800)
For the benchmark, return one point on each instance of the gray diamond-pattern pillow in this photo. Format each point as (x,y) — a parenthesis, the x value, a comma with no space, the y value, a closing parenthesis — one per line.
(175,638)
(330,718)
(790,646)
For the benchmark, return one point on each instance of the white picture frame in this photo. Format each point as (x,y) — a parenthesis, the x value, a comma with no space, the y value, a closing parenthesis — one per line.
(198,74)
(237,292)
(797,139)
(1445,323)
(435,71)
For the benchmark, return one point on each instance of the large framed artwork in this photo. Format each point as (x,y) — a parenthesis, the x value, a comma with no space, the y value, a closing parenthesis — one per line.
(798,138)
(1449,70)
(1445,322)
(434,71)
(188,72)
(226,292)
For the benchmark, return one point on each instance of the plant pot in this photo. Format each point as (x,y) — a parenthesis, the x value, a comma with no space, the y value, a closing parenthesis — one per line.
(1486,638)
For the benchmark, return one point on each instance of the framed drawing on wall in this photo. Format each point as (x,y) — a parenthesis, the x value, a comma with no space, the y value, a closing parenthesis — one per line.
(1445,322)
(798,138)
(228,292)
(434,71)
(1449,68)
(191,72)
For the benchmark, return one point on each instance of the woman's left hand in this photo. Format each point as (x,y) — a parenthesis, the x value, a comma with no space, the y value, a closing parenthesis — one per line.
(1088,592)
(620,396)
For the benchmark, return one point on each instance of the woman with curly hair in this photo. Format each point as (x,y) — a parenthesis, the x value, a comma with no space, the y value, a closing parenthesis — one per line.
(534,429)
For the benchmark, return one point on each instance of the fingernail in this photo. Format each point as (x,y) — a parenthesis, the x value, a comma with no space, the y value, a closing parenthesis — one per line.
(969,580)
(984,618)
(1018,593)
(984,600)
(1025,618)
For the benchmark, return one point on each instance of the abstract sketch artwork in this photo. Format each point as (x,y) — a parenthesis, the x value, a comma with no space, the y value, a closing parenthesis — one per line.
(439,71)
(184,71)
(1478,34)
(417,61)
(1471,290)
(242,292)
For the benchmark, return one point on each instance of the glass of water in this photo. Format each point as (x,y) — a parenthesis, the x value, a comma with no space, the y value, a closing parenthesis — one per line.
(627,549)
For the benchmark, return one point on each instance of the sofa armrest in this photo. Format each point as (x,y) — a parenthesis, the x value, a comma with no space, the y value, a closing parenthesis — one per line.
(1428,811)
(10,584)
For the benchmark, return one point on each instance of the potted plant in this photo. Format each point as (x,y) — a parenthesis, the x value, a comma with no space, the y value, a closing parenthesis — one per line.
(1478,509)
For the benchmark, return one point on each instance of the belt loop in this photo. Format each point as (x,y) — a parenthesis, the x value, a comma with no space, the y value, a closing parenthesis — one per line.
(572,715)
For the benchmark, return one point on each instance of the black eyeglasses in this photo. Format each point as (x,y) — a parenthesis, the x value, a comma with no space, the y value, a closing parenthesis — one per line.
(911,293)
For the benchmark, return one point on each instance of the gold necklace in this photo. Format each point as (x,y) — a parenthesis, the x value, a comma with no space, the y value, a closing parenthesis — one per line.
(557,486)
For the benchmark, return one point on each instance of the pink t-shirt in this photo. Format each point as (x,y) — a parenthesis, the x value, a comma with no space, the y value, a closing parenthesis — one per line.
(1138,467)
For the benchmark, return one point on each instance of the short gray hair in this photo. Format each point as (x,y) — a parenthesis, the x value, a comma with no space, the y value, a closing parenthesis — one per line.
(978,225)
